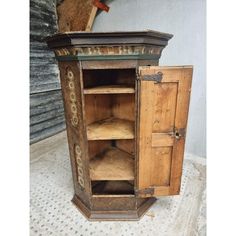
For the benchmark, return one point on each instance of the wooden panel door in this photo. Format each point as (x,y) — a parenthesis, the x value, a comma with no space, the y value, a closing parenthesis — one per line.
(164,94)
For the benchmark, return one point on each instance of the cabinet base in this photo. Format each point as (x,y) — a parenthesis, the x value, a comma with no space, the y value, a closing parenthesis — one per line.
(111,215)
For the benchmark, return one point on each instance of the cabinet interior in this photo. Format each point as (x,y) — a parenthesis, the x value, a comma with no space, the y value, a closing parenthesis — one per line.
(110,120)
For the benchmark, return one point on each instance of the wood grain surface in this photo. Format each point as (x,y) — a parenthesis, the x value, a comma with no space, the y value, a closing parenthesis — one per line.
(163,112)
(112,164)
(111,128)
(46,106)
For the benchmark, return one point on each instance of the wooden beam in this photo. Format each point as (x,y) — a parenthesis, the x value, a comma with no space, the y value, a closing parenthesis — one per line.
(91,18)
(75,15)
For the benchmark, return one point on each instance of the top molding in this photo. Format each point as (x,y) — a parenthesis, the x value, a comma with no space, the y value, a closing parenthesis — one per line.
(81,38)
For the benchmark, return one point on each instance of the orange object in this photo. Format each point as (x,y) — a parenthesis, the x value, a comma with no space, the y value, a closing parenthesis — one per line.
(101,5)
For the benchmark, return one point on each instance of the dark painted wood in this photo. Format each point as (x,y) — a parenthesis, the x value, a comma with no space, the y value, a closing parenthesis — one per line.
(72,90)
(148,37)
(46,107)
(109,214)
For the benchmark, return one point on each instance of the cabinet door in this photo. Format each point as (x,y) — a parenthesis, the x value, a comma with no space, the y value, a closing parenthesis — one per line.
(164,94)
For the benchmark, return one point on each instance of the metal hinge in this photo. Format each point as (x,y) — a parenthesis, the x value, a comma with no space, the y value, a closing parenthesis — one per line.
(157,78)
(145,191)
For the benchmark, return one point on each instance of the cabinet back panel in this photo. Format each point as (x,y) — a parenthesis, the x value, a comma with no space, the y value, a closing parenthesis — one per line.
(97,107)
(126,145)
(123,106)
(97,147)
(108,77)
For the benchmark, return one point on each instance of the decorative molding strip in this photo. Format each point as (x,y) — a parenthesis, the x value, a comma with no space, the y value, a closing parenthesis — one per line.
(108,53)
(108,57)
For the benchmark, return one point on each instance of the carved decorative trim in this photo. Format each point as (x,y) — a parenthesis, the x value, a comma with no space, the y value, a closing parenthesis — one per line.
(103,52)
(80,172)
(72,97)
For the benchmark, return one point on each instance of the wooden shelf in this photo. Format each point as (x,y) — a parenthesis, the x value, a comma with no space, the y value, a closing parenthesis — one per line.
(111,128)
(109,89)
(112,164)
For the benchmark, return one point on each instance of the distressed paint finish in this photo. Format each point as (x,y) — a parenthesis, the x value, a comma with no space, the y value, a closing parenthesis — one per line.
(46,106)
(71,83)
(108,50)
(109,53)
(139,45)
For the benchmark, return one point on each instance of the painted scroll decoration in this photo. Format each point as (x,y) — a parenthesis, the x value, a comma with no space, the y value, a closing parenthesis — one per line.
(80,172)
(72,97)
(101,51)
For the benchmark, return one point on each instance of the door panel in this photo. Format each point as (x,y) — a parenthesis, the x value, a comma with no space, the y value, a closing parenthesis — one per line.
(163,111)
(160,172)
(164,105)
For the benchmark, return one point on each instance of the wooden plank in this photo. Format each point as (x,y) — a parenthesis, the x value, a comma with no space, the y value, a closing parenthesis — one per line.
(48,132)
(181,118)
(160,166)
(162,191)
(97,107)
(111,128)
(109,89)
(116,64)
(126,145)
(95,147)
(145,134)
(123,106)
(91,18)
(160,140)
(75,15)
(164,106)
(113,164)
(46,107)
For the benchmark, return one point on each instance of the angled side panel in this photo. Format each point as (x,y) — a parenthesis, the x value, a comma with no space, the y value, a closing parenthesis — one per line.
(72,87)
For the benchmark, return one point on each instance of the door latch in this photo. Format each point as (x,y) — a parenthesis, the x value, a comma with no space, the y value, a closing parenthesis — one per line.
(177,133)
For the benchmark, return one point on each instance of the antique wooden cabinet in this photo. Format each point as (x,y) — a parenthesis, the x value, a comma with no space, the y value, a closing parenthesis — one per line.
(126,120)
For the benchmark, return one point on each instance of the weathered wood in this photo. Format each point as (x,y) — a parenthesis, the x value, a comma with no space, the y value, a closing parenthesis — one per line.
(91,18)
(46,115)
(46,107)
(163,113)
(75,15)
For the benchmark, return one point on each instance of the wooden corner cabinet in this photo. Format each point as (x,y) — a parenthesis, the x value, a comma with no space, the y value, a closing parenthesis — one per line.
(126,120)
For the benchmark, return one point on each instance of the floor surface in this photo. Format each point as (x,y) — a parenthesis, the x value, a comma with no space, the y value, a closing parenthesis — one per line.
(52,213)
